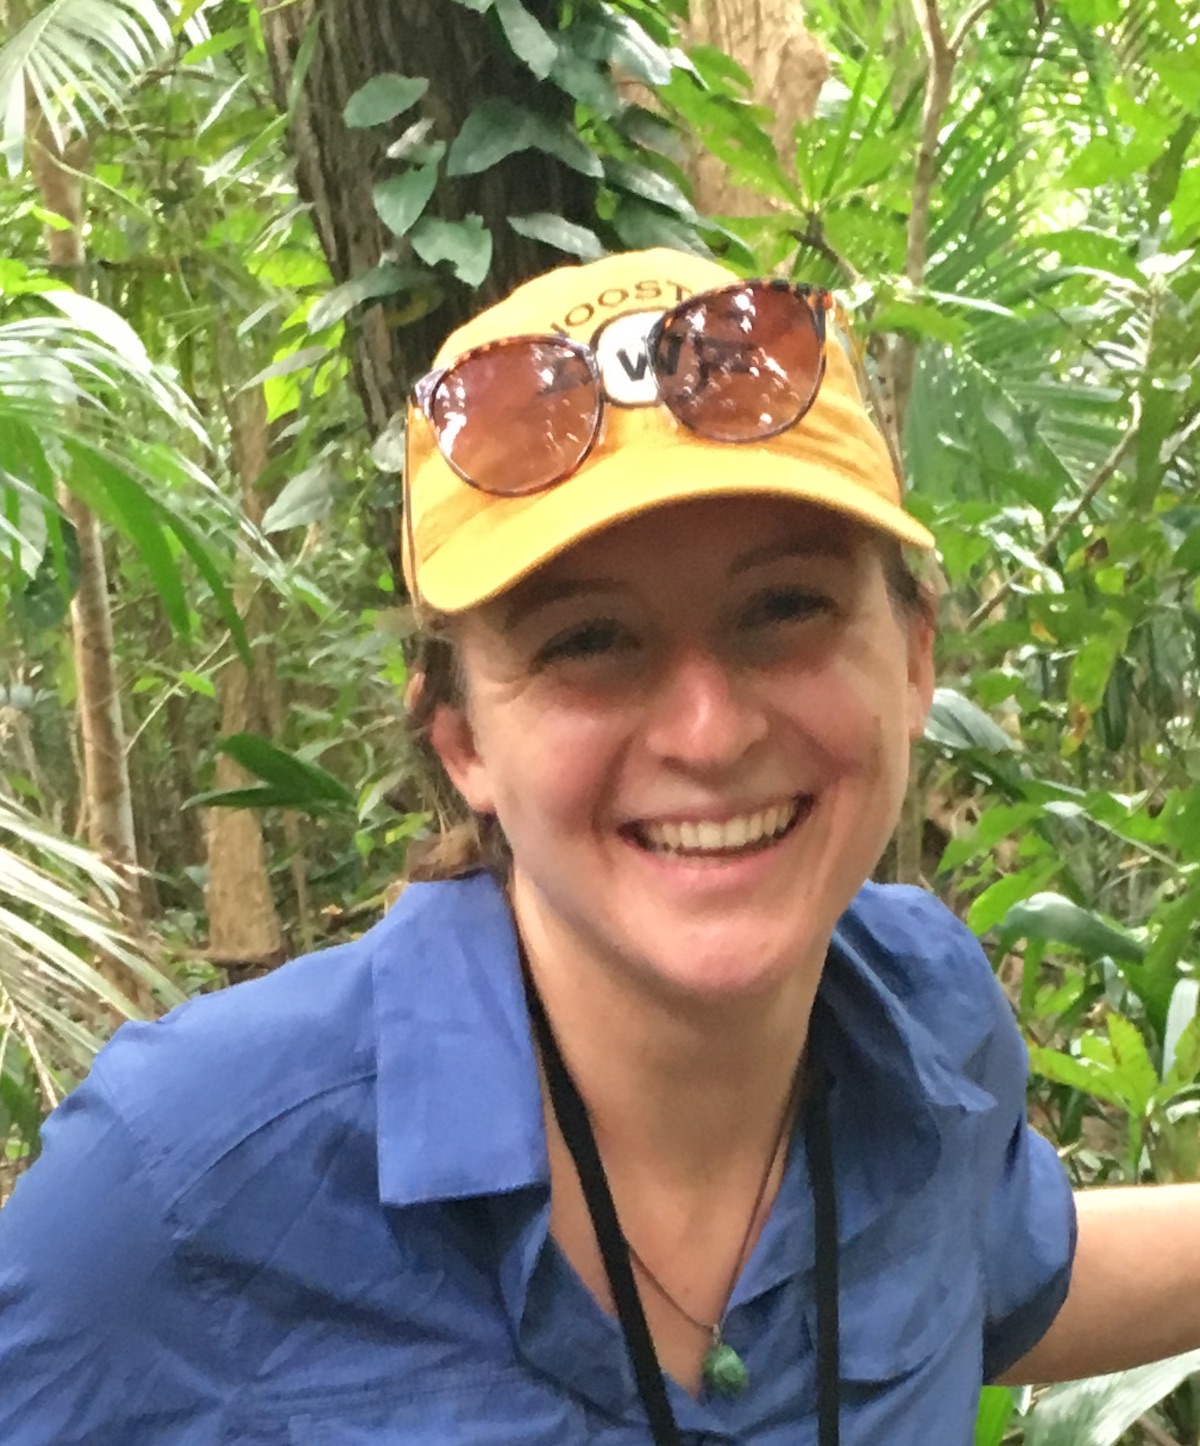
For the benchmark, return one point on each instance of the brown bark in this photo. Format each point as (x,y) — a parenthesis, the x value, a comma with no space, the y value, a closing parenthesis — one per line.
(942,54)
(787,68)
(107,796)
(243,923)
(336,167)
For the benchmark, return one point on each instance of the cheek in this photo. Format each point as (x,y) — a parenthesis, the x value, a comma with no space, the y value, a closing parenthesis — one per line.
(553,773)
(858,719)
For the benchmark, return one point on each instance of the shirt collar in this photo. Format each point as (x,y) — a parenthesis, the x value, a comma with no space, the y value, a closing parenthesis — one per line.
(459,1098)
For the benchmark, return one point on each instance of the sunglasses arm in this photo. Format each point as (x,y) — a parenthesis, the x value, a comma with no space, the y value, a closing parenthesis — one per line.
(424,387)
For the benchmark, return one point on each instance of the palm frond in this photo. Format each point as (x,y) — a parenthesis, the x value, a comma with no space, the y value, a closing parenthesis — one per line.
(57,919)
(76,58)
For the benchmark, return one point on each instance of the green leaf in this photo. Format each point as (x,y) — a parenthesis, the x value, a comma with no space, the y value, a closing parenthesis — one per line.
(641,226)
(955,723)
(1088,1076)
(480,7)
(386,279)
(996,1407)
(637,53)
(307,498)
(1181,1037)
(465,244)
(198,683)
(907,313)
(301,780)
(289,363)
(400,200)
(993,905)
(203,562)
(555,231)
(1133,1068)
(1155,982)
(216,45)
(1057,920)
(1185,208)
(115,496)
(650,185)
(1098,1412)
(586,82)
(527,36)
(258,795)
(498,128)
(102,322)
(720,71)
(383,98)
(1092,667)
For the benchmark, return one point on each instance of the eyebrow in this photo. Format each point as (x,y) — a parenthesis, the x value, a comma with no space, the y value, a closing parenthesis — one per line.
(786,547)
(540,593)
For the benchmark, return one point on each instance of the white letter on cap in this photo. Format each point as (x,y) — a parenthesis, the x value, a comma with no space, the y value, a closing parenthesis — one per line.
(624,361)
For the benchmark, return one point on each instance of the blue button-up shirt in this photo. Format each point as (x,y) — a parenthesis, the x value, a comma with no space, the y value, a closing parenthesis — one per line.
(312,1211)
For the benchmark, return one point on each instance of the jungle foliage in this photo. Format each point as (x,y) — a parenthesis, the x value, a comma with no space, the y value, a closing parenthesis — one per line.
(1007,199)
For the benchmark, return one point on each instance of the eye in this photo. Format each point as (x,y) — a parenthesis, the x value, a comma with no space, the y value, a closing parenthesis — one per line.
(597,638)
(786,605)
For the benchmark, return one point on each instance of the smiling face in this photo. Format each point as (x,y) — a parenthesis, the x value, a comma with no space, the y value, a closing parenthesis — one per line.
(694,729)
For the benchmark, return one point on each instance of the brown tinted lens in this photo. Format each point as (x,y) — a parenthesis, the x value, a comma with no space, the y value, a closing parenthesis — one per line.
(741,363)
(518,416)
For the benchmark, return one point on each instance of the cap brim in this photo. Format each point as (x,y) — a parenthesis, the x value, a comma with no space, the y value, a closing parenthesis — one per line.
(505,542)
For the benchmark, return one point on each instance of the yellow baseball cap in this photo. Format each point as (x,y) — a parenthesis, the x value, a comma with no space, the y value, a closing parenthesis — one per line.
(471,545)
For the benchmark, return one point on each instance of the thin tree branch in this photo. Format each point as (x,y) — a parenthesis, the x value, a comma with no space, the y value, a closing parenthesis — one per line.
(942,56)
(1099,478)
(175,688)
(938,80)
(1156,1432)
(967,24)
(813,236)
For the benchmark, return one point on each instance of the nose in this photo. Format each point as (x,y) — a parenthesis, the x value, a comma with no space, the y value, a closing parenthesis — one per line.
(702,713)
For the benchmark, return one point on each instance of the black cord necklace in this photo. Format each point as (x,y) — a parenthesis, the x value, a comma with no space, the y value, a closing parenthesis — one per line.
(572,1116)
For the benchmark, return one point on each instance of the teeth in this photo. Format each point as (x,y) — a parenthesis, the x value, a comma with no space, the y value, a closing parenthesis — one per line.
(710,836)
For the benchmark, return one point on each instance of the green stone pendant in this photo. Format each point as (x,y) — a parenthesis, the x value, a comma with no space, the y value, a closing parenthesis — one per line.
(724,1370)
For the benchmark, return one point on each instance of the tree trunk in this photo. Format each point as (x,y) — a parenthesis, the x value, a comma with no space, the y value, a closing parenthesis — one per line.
(107,797)
(787,68)
(244,932)
(337,167)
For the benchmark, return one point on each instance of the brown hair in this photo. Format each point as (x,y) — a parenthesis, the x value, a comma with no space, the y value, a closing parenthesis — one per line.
(465,841)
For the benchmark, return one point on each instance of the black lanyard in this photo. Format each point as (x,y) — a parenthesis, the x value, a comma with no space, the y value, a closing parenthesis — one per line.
(572,1116)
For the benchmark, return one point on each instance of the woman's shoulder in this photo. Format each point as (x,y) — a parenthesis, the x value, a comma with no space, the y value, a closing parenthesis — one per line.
(193,1084)
(226,1066)
(907,931)
(931,967)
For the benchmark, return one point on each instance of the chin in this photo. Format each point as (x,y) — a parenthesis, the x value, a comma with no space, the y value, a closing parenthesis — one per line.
(735,969)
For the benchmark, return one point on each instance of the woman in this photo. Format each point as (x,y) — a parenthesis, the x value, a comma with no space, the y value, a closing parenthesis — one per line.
(659,1122)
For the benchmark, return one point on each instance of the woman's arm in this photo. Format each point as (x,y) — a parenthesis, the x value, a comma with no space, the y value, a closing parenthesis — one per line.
(1135,1287)
(102,1340)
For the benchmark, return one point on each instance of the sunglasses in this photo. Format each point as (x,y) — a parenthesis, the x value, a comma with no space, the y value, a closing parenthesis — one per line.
(737,364)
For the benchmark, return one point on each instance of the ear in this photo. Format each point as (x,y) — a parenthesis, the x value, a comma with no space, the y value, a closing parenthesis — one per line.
(454,742)
(920,674)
